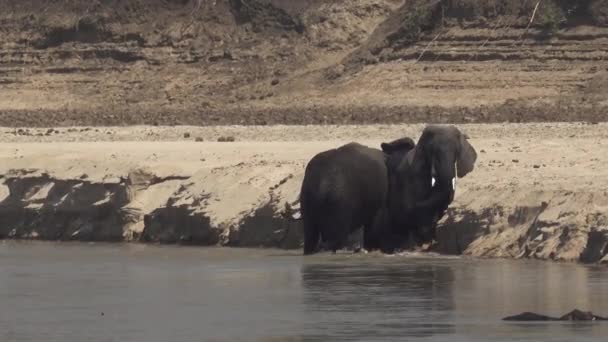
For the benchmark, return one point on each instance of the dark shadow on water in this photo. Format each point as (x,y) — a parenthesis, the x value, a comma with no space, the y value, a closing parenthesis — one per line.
(376,301)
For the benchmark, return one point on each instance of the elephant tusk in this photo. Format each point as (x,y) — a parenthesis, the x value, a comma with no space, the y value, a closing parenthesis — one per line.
(433,181)
(455,174)
(453,183)
(433,174)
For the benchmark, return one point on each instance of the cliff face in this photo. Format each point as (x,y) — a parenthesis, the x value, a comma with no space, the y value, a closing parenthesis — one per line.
(318,61)
(540,224)
(537,191)
(188,193)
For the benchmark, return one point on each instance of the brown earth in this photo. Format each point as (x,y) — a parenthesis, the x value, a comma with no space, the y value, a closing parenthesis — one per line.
(537,190)
(220,62)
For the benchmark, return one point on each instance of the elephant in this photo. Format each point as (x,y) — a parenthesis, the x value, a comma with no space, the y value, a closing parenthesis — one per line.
(423,183)
(397,194)
(346,188)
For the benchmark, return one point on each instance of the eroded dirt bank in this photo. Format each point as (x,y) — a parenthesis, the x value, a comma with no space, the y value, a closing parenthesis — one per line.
(538,190)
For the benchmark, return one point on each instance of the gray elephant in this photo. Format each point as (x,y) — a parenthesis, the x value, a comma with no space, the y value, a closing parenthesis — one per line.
(423,184)
(397,194)
(345,189)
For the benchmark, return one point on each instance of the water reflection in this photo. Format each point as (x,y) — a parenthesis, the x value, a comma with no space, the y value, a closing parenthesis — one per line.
(376,301)
(512,287)
(486,291)
(56,292)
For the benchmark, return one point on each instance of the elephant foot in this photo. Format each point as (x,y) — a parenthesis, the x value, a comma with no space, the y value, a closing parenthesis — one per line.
(360,250)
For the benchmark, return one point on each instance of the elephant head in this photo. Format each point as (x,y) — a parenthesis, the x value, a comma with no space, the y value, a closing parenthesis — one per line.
(422,182)
(396,150)
(400,145)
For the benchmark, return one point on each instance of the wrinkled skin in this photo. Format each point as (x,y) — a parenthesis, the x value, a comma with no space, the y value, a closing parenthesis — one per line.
(344,189)
(422,182)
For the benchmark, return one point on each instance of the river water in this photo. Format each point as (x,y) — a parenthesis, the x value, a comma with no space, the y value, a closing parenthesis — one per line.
(132,292)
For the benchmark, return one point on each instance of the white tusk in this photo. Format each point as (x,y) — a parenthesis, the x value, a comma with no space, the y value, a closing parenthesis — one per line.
(433,181)
(455,174)
(433,173)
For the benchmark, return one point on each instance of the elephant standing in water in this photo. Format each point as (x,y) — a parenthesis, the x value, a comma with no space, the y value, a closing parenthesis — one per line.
(344,189)
(423,184)
(396,194)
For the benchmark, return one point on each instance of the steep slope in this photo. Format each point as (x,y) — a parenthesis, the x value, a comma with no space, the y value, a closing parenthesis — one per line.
(316,61)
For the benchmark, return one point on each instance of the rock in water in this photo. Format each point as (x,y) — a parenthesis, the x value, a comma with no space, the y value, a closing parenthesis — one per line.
(529,316)
(574,315)
(578,315)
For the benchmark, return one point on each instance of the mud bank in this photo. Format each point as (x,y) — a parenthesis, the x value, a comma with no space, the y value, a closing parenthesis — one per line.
(538,190)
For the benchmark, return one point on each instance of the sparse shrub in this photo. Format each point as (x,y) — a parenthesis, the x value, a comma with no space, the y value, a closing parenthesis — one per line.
(551,17)
(416,21)
(334,72)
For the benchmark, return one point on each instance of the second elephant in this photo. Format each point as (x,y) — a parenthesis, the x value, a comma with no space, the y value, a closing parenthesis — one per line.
(423,184)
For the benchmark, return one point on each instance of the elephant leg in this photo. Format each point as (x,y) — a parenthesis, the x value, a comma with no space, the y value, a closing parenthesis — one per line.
(381,235)
(411,239)
(370,242)
(374,231)
(396,240)
(389,243)
(334,231)
(311,237)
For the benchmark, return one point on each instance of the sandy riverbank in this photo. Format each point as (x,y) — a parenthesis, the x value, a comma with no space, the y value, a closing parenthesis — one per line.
(538,190)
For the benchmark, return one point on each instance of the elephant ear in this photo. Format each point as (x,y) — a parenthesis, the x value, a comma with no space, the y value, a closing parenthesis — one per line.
(466,157)
(403,144)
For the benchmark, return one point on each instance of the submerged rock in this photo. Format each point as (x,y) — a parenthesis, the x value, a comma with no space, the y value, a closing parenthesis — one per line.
(574,315)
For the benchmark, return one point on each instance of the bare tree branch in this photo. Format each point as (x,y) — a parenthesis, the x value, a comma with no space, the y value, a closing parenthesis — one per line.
(529,23)
(427,47)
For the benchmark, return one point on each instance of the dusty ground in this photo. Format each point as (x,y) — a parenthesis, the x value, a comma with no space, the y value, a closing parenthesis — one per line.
(538,190)
(226,62)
